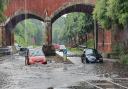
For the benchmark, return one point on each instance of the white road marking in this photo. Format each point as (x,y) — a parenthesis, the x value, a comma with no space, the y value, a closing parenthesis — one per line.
(94,85)
(117,84)
(121,78)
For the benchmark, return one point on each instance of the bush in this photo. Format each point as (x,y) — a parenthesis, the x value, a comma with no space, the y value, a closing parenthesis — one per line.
(76,51)
(122,53)
(90,43)
(124,59)
(118,49)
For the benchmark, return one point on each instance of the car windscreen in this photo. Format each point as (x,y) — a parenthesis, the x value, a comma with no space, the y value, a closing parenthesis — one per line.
(36,53)
(89,51)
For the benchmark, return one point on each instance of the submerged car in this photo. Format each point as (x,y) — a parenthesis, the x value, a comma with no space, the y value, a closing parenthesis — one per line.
(35,56)
(91,55)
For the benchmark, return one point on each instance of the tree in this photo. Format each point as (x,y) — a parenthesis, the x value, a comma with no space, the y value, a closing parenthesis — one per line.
(28,31)
(76,26)
(117,10)
(100,13)
(3,3)
(57,31)
(110,12)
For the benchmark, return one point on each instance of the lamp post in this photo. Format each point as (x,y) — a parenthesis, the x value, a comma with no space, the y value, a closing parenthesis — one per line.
(95,35)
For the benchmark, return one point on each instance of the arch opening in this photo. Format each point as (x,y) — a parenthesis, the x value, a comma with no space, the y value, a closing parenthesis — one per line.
(11,23)
(68,31)
(71,8)
(29,32)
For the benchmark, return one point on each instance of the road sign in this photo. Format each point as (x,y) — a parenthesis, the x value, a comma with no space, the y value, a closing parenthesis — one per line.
(65,51)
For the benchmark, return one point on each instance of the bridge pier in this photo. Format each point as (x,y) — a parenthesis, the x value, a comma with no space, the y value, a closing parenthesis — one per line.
(48,48)
(3,38)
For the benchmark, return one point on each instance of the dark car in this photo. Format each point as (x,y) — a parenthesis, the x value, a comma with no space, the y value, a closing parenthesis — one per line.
(91,55)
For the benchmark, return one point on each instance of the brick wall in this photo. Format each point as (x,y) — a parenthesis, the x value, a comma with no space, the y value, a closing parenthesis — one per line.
(104,41)
(39,7)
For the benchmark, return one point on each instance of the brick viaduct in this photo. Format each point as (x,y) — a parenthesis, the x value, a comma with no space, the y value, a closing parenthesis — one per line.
(47,11)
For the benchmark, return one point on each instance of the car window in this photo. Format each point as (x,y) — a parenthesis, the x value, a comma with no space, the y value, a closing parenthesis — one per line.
(89,51)
(36,53)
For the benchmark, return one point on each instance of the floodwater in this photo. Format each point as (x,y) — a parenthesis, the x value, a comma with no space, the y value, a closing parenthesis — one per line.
(15,75)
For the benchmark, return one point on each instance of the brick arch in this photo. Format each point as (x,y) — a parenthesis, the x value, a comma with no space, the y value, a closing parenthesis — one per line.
(40,6)
(68,8)
(14,20)
(49,10)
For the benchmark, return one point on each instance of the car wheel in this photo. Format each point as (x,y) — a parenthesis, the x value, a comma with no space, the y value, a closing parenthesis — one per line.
(87,61)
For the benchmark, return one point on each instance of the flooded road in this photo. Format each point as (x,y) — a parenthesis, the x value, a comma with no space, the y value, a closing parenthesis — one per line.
(15,75)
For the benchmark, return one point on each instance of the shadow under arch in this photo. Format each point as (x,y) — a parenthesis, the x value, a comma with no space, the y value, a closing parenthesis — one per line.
(79,7)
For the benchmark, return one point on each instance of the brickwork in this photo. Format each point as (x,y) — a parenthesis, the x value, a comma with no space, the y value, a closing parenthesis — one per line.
(40,7)
(104,41)
(49,8)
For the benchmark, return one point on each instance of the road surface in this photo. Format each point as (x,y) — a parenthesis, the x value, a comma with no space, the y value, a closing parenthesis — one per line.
(15,75)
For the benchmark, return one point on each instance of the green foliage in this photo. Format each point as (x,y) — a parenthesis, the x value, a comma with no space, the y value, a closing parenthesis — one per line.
(58,28)
(109,12)
(123,14)
(20,40)
(3,3)
(100,14)
(76,51)
(124,59)
(118,49)
(90,43)
(76,26)
(28,31)
(122,53)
